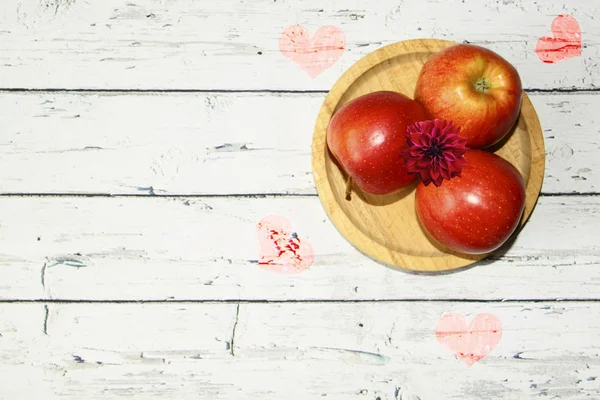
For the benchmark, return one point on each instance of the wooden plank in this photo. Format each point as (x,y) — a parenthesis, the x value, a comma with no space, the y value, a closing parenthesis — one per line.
(234,44)
(136,248)
(50,349)
(294,351)
(219,143)
(400,338)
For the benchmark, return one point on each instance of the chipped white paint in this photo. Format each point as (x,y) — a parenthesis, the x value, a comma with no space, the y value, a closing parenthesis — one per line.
(204,249)
(192,143)
(233,44)
(294,351)
(227,339)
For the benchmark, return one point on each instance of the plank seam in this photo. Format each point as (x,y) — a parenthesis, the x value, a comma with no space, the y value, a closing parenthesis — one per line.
(157,91)
(305,301)
(235,195)
(572,90)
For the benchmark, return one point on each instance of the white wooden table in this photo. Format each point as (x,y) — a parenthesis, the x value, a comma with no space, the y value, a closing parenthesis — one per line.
(142,141)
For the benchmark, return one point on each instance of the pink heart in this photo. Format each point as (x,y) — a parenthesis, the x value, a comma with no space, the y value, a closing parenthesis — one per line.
(313,55)
(281,250)
(565,43)
(470,343)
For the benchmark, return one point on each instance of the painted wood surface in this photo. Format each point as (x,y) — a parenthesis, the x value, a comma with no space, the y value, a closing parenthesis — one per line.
(95,248)
(126,294)
(384,350)
(198,143)
(234,44)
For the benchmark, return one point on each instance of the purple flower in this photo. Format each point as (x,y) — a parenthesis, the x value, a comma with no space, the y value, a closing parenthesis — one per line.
(435,151)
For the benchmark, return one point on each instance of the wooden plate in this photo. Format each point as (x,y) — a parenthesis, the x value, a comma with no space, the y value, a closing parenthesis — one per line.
(386,228)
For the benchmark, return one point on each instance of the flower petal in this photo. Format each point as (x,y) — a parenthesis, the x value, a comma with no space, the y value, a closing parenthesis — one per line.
(435,150)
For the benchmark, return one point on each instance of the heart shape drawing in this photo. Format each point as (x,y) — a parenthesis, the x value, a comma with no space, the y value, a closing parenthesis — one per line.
(281,250)
(313,55)
(471,343)
(565,42)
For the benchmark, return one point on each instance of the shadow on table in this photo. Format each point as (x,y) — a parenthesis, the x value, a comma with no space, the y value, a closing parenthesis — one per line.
(489,260)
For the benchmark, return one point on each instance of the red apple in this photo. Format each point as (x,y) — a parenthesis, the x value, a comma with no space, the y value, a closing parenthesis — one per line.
(475,88)
(366,136)
(476,212)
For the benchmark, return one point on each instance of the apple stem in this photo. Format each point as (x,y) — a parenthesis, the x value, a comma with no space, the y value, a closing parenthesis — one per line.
(482,85)
(348,187)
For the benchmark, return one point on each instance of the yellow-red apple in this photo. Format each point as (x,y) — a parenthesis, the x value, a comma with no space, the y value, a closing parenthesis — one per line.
(475,88)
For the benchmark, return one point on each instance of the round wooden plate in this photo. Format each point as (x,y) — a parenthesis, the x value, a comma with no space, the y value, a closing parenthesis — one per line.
(386,228)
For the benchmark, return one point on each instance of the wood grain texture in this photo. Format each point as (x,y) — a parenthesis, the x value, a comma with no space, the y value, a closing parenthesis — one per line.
(165,44)
(93,248)
(194,143)
(58,252)
(386,228)
(293,351)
